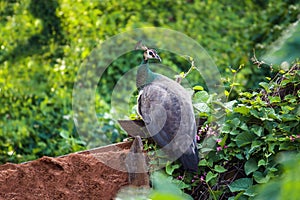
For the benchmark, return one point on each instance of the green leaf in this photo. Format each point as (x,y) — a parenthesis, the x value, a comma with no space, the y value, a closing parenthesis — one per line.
(271,147)
(260,114)
(235,132)
(236,122)
(201,96)
(260,178)
(271,190)
(210,176)
(288,117)
(286,146)
(275,99)
(266,86)
(219,169)
(226,93)
(257,130)
(241,184)
(250,166)
(261,162)
(229,104)
(246,94)
(268,78)
(167,187)
(64,134)
(202,162)
(161,196)
(244,126)
(244,110)
(255,113)
(286,109)
(271,113)
(254,146)
(198,88)
(180,184)
(223,141)
(251,191)
(244,139)
(240,156)
(226,128)
(170,168)
(202,107)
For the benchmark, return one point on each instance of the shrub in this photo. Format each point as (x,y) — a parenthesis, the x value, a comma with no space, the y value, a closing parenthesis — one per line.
(258,127)
(43,43)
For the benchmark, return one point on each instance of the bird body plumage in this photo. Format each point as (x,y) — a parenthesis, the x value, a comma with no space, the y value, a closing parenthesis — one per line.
(167,111)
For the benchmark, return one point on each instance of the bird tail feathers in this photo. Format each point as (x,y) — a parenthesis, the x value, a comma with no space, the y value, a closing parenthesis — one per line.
(190,161)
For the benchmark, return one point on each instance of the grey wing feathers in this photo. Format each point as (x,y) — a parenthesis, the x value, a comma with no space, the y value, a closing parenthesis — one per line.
(168,114)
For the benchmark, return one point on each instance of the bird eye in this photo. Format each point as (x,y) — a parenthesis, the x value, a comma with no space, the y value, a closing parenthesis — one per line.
(151,53)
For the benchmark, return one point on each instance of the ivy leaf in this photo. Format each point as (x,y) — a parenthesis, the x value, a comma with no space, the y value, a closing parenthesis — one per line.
(254,146)
(251,191)
(271,147)
(275,99)
(233,123)
(210,176)
(260,178)
(244,139)
(229,104)
(198,88)
(261,162)
(244,126)
(64,134)
(257,130)
(266,86)
(288,117)
(244,110)
(226,128)
(271,113)
(202,163)
(241,184)
(246,94)
(250,166)
(201,96)
(180,184)
(170,168)
(202,107)
(286,146)
(219,169)
(262,115)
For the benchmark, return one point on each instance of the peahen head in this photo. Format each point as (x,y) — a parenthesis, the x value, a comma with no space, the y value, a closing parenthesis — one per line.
(144,74)
(149,54)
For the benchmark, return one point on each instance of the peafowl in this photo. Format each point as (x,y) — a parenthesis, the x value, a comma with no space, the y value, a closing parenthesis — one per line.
(166,109)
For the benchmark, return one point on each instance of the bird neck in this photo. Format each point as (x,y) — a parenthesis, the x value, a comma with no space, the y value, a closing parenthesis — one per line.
(144,75)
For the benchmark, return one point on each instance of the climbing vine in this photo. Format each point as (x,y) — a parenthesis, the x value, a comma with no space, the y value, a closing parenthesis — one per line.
(260,126)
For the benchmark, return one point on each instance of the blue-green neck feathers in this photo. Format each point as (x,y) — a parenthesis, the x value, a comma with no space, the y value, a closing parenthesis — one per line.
(144,75)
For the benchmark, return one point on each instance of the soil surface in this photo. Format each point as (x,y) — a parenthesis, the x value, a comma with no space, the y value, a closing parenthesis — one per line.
(75,176)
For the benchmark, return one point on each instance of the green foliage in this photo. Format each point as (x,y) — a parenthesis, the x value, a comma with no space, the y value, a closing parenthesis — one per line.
(258,126)
(43,43)
(241,184)
(286,185)
(163,188)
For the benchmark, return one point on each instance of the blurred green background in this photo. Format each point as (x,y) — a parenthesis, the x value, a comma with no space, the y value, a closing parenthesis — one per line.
(43,43)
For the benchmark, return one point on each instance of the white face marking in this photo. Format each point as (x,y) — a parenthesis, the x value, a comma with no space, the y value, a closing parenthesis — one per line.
(151,54)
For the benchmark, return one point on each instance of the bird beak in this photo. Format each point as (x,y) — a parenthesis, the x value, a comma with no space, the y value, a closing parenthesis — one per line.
(158,58)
